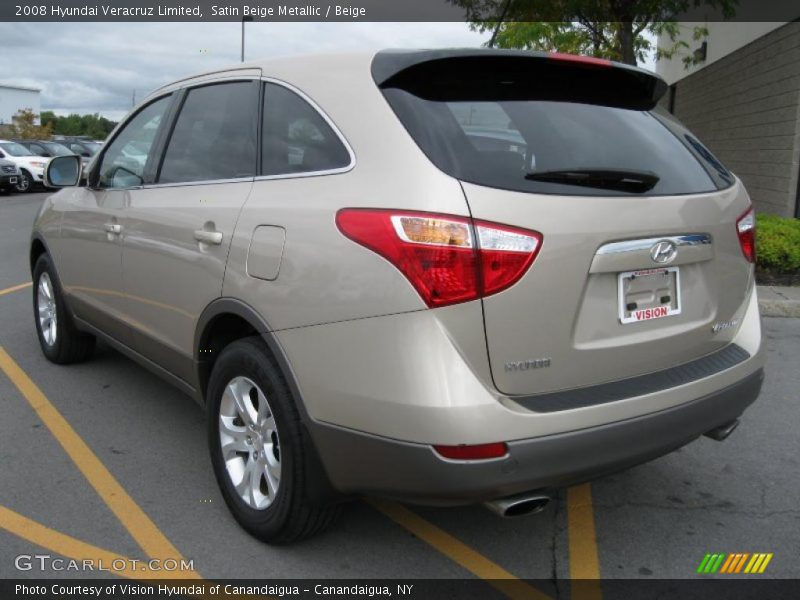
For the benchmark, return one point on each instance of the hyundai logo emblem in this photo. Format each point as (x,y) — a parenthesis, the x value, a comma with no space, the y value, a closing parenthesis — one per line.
(664,252)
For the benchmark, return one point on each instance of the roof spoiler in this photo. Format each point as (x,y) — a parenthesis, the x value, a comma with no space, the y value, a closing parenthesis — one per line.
(496,75)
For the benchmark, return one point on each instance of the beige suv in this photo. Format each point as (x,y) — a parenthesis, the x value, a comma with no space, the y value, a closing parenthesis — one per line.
(439,276)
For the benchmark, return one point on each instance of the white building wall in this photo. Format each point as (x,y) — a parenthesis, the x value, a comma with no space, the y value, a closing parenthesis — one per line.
(745,106)
(724,37)
(14,98)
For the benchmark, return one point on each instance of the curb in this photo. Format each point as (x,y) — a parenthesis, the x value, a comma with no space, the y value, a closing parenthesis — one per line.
(779,308)
(776,301)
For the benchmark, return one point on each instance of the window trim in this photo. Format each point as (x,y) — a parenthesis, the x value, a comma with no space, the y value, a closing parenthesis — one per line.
(337,132)
(173,112)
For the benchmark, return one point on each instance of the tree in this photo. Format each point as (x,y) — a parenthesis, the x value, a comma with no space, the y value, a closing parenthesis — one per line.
(23,125)
(94,126)
(605,28)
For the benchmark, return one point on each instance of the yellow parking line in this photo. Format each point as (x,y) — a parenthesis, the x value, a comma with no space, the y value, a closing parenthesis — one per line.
(764,564)
(459,552)
(584,566)
(73,548)
(142,529)
(15,288)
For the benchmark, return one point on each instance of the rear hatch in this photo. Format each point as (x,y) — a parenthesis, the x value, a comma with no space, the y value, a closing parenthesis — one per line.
(641,267)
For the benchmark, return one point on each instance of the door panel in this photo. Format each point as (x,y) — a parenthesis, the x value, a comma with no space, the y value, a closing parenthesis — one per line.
(92,228)
(170,275)
(90,265)
(178,231)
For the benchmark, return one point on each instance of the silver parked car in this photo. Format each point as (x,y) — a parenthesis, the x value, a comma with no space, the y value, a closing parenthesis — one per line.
(369,297)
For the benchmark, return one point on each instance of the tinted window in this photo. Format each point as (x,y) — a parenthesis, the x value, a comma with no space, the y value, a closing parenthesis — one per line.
(37,149)
(516,143)
(214,136)
(80,149)
(721,176)
(58,149)
(125,157)
(296,139)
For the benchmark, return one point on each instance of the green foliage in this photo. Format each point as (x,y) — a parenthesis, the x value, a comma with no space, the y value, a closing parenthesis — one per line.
(608,28)
(94,126)
(23,125)
(778,244)
(599,40)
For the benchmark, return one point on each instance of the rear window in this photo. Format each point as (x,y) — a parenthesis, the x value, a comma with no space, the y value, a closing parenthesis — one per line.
(506,134)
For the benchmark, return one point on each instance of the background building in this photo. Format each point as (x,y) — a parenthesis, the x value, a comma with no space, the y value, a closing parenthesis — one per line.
(743,102)
(15,97)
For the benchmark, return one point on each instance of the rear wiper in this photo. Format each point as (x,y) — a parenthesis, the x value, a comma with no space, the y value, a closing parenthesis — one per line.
(606,179)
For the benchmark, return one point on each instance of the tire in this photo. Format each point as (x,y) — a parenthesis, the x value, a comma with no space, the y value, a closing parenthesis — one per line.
(60,341)
(275,513)
(25,183)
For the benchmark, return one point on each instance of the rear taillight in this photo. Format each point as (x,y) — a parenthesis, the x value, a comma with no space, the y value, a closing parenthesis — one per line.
(577,58)
(746,230)
(448,259)
(477,452)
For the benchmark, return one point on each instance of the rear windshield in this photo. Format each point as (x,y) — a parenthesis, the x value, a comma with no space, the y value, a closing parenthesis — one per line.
(557,147)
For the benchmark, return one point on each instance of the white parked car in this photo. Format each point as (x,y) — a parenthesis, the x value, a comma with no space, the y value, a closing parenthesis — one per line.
(31,167)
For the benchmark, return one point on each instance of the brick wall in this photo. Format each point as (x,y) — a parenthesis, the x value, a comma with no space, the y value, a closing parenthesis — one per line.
(746,109)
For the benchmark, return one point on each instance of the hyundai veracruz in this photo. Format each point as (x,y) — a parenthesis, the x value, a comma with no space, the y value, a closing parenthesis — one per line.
(440,276)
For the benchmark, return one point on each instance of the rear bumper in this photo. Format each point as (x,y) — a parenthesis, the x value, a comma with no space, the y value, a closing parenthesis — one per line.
(362,463)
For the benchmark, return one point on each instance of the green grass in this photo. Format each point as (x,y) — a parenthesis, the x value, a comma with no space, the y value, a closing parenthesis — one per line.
(778,244)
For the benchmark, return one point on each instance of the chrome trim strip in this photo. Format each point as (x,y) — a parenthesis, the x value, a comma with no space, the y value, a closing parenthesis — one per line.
(204,182)
(693,239)
(242,73)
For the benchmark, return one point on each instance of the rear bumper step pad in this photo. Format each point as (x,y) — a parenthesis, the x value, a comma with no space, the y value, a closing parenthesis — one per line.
(709,365)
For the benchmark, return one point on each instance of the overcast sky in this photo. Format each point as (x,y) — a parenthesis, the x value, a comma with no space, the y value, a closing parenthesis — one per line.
(95,67)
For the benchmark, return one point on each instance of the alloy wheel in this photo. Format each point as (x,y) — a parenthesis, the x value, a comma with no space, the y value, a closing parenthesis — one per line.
(248,436)
(46,307)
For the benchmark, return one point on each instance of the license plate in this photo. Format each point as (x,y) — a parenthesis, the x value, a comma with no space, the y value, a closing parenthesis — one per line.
(649,294)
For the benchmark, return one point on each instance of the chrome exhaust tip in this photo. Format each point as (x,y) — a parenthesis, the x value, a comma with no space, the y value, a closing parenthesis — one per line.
(723,431)
(518,506)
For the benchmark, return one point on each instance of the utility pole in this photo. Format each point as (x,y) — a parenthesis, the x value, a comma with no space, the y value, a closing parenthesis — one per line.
(133,98)
(243,21)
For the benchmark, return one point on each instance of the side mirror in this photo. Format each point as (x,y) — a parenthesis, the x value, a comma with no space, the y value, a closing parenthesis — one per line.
(63,171)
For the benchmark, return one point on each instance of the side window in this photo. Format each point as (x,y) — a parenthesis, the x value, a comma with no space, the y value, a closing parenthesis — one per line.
(37,149)
(125,157)
(78,149)
(295,137)
(214,136)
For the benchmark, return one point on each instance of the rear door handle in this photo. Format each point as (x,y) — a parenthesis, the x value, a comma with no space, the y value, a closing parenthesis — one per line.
(208,237)
(114,228)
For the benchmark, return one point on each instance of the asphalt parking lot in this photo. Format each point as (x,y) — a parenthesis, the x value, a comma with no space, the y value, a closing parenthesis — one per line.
(654,521)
